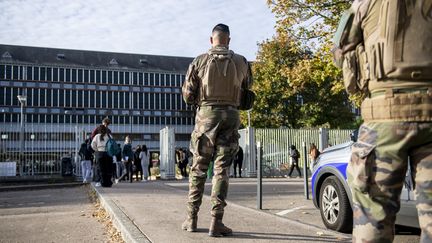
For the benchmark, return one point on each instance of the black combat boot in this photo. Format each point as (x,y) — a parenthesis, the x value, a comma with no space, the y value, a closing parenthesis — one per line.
(190,224)
(218,229)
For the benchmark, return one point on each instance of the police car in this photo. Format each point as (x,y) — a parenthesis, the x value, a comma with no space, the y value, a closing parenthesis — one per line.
(332,196)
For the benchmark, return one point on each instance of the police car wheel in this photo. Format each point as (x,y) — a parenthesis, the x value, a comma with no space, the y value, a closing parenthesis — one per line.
(335,208)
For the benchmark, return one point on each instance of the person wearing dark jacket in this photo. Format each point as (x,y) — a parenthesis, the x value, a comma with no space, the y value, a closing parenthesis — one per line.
(86,157)
(128,156)
(295,155)
(238,162)
(137,163)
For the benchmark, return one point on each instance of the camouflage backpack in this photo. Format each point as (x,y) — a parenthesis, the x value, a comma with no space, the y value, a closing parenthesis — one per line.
(398,49)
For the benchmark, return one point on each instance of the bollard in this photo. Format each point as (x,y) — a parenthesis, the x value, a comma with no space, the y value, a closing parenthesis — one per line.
(305,172)
(259,176)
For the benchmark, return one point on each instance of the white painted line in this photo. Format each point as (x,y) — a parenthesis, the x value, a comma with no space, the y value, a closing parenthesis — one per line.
(281,213)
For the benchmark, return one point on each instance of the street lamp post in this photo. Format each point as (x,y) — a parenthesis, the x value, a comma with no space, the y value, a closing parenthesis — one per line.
(23,100)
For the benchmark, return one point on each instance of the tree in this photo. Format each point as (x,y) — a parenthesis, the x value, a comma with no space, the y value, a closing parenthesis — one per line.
(295,80)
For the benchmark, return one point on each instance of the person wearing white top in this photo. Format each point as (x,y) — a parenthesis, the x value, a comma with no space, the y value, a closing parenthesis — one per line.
(103,159)
(144,156)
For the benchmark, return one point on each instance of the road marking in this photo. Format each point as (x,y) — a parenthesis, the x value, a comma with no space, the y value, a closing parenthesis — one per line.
(282,213)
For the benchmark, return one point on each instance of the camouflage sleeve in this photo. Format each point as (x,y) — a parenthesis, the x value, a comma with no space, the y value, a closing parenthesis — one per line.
(248,80)
(190,88)
(349,33)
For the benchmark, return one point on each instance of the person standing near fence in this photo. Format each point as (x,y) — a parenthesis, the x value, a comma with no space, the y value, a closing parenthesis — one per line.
(86,157)
(213,83)
(145,161)
(294,156)
(313,154)
(238,162)
(102,158)
(96,168)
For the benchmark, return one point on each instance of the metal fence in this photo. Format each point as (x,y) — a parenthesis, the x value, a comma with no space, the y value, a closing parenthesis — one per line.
(41,152)
(276,144)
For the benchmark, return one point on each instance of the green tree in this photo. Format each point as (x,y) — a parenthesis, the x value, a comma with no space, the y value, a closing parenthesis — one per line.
(295,80)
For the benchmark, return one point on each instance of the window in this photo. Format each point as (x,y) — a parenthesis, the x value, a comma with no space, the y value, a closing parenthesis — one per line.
(146,79)
(74,75)
(86,76)
(55,96)
(92,76)
(135,101)
(140,101)
(110,78)
(121,80)
(74,98)
(42,96)
(104,77)
(55,74)
(15,72)
(163,99)
(67,98)
(68,75)
(116,77)
(85,99)
(134,78)
(121,101)
(104,99)
(92,98)
(157,83)
(98,76)
(2,71)
(157,101)
(126,100)
(141,79)
(49,97)
(80,76)
(36,73)
(152,100)
(98,99)
(116,100)
(8,72)
(61,75)
(49,74)
(127,81)
(152,79)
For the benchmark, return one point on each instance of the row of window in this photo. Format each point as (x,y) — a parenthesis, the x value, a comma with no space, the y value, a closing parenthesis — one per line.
(37,97)
(67,136)
(98,76)
(88,119)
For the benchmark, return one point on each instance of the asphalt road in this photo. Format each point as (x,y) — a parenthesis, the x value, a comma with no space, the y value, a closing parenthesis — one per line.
(285,197)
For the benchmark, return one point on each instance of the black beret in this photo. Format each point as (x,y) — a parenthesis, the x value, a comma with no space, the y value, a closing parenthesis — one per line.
(221,27)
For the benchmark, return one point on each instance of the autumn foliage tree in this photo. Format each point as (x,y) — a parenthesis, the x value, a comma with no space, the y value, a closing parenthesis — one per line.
(296,83)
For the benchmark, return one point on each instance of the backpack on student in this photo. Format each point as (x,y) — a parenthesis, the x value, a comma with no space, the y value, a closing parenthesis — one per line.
(112,147)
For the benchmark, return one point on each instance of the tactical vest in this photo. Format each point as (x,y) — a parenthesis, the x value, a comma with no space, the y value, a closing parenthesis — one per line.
(402,47)
(222,75)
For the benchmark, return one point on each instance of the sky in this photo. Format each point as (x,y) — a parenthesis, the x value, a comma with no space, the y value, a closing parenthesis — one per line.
(158,27)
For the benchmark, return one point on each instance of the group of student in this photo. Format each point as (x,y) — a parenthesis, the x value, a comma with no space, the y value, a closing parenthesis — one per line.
(115,168)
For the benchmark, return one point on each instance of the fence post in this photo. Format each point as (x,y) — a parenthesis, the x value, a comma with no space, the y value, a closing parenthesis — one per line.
(259,176)
(167,153)
(323,138)
(305,173)
(249,151)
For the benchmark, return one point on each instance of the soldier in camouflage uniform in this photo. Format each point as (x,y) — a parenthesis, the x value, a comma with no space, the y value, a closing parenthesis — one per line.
(213,84)
(384,48)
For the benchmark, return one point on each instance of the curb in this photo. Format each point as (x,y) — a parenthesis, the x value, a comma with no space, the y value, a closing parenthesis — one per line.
(129,230)
(39,187)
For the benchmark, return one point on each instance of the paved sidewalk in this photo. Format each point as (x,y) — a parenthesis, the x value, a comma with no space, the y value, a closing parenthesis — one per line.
(153,212)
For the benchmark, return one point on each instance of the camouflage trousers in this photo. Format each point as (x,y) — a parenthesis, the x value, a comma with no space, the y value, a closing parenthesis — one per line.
(215,138)
(376,174)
